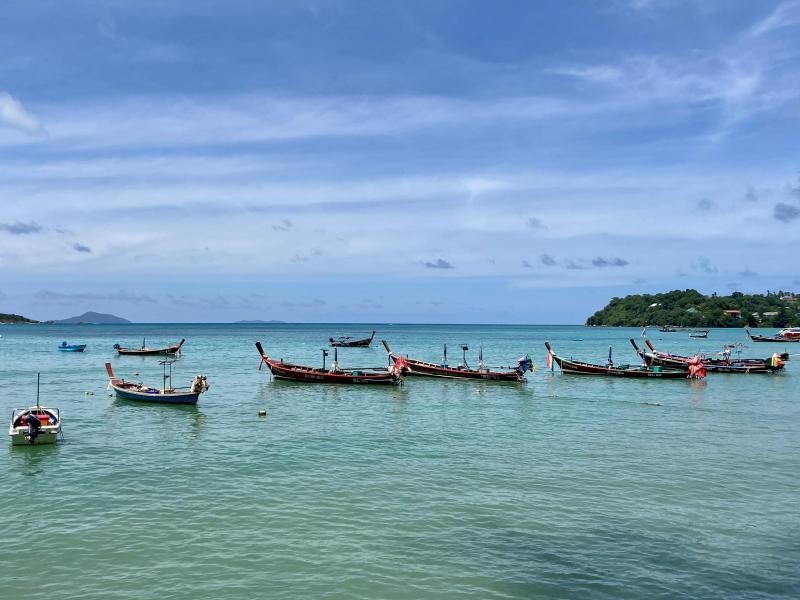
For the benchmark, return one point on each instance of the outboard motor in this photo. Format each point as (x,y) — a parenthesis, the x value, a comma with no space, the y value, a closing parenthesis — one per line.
(34,427)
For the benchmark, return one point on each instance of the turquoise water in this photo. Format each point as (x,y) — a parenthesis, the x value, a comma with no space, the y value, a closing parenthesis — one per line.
(563,487)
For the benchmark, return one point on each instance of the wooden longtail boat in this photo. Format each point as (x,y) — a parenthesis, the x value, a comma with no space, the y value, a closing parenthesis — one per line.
(145,351)
(422,368)
(132,390)
(282,370)
(65,347)
(575,367)
(724,364)
(346,342)
(772,338)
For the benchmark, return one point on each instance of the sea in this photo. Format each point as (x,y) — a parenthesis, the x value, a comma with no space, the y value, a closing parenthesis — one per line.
(559,487)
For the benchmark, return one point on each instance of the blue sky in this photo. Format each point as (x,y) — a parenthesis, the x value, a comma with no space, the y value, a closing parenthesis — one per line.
(428,161)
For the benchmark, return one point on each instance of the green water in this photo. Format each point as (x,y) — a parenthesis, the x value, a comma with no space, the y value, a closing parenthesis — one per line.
(563,487)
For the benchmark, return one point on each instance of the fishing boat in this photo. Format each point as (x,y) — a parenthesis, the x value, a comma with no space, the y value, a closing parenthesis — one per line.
(287,371)
(34,425)
(65,347)
(348,342)
(784,335)
(134,390)
(145,351)
(575,367)
(722,363)
(462,371)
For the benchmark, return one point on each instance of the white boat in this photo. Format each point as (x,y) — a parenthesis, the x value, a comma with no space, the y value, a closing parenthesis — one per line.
(35,424)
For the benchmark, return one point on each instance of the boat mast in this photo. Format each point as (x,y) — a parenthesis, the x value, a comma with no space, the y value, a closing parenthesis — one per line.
(481,365)
(444,359)
(464,349)
(37,390)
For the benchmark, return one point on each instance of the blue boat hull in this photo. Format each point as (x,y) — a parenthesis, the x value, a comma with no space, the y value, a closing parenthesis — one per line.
(77,348)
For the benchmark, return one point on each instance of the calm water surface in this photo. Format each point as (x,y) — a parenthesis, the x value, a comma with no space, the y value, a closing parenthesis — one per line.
(563,487)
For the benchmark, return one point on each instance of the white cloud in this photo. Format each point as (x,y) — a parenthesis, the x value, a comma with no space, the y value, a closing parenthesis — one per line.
(13,114)
(786,14)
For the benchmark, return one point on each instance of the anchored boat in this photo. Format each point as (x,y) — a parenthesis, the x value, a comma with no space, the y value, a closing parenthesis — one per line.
(34,425)
(145,351)
(347,342)
(784,335)
(576,367)
(282,370)
(65,347)
(462,371)
(719,364)
(133,390)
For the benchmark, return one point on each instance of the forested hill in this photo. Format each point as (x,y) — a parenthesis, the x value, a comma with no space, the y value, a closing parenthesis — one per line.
(690,308)
(9,318)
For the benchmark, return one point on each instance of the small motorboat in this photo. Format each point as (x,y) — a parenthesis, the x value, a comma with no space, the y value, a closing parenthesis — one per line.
(347,342)
(34,425)
(699,334)
(145,351)
(65,347)
(134,390)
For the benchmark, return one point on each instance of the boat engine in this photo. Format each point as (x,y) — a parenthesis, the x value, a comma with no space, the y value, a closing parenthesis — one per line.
(34,427)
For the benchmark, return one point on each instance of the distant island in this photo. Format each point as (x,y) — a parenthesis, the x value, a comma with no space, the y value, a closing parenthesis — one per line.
(94,318)
(15,319)
(690,308)
(258,321)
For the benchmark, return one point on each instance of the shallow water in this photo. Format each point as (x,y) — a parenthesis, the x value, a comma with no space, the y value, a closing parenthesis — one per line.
(563,487)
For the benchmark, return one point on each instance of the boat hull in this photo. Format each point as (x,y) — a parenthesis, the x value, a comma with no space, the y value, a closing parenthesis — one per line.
(157,396)
(775,339)
(423,369)
(569,367)
(79,348)
(19,439)
(308,375)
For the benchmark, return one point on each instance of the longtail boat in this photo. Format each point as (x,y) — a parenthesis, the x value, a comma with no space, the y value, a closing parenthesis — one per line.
(34,425)
(145,351)
(283,370)
(427,369)
(575,367)
(348,342)
(785,335)
(133,390)
(719,364)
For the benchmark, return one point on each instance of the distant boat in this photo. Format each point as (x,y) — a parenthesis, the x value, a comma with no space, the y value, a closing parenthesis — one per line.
(668,329)
(282,370)
(348,342)
(145,351)
(575,367)
(784,335)
(34,425)
(699,334)
(419,367)
(131,390)
(65,347)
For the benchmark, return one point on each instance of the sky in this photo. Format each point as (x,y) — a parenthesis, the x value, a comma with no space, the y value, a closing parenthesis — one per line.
(416,161)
